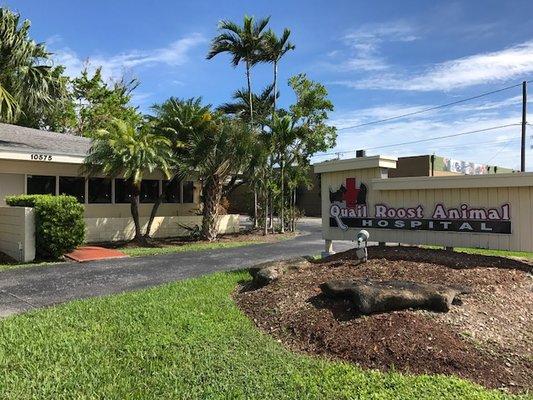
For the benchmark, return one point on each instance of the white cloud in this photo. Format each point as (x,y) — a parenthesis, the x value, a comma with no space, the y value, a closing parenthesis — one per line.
(114,66)
(365,44)
(511,63)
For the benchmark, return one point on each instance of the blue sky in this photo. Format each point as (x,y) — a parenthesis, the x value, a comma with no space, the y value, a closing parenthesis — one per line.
(377,59)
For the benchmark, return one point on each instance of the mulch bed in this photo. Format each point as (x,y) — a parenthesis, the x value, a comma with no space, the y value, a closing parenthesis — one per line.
(244,236)
(487,339)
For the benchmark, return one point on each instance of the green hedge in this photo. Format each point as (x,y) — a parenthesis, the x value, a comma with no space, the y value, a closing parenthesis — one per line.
(59,223)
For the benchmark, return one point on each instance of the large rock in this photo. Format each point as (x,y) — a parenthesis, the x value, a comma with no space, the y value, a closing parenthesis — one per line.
(265,273)
(370,297)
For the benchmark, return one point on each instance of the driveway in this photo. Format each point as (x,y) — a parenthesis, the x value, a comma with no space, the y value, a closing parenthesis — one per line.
(35,287)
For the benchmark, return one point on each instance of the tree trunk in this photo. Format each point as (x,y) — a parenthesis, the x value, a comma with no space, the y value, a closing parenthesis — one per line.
(275,84)
(256,207)
(212,196)
(134,206)
(282,208)
(250,97)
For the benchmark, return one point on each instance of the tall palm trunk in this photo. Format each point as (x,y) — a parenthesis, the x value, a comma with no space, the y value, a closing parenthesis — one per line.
(271,158)
(134,206)
(250,98)
(212,196)
(282,210)
(275,84)
(250,101)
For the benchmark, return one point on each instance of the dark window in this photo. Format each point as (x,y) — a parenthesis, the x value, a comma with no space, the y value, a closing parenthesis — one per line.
(99,190)
(188,192)
(172,191)
(149,190)
(40,184)
(72,186)
(122,191)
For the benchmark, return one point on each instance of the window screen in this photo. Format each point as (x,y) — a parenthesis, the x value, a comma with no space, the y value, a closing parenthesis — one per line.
(122,191)
(41,184)
(72,186)
(172,191)
(149,190)
(99,190)
(188,192)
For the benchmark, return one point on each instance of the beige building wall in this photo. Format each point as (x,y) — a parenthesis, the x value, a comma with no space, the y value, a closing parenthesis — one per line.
(17,233)
(488,191)
(10,184)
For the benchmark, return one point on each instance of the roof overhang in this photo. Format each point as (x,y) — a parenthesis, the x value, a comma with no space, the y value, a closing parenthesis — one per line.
(40,156)
(356,163)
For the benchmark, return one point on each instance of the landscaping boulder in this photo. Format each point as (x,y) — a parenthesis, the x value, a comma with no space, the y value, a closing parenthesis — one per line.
(265,273)
(368,296)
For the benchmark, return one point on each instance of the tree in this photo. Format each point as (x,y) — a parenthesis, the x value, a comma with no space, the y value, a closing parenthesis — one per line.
(263,103)
(214,154)
(243,44)
(177,119)
(273,49)
(98,102)
(129,151)
(28,83)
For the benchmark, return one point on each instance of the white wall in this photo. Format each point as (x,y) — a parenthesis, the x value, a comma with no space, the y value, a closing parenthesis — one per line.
(10,184)
(109,229)
(17,233)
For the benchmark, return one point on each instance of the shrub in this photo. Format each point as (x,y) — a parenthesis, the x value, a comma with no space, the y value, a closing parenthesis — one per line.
(59,223)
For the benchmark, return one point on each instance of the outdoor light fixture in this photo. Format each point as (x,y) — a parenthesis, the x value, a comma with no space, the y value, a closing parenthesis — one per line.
(361,239)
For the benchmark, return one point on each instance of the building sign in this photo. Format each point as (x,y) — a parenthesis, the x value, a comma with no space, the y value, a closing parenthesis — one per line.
(348,209)
(463,167)
(41,157)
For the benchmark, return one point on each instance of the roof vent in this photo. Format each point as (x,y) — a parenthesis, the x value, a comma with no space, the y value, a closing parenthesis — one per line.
(360,153)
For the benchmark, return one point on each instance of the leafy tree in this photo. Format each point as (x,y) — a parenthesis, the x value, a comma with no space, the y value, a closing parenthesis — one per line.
(98,102)
(28,83)
(214,154)
(129,151)
(244,44)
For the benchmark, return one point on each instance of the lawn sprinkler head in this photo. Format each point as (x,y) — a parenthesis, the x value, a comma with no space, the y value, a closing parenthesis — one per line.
(362,238)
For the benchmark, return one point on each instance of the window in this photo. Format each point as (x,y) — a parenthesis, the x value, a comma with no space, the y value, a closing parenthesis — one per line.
(172,191)
(122,191)
(99,190)
(188,192)
(72,186)
(149,190)
(40,184)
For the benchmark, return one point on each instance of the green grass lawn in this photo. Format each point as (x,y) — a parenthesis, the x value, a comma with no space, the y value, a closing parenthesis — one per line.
(487,252)
(151,251)
(185,340)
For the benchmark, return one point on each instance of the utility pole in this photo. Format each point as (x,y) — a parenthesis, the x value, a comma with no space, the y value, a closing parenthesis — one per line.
(524,112)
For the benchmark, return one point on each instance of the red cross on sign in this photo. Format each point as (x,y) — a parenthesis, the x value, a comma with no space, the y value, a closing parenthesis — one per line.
(350,196)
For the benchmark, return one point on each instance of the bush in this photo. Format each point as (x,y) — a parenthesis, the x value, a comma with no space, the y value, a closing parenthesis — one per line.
(59,223)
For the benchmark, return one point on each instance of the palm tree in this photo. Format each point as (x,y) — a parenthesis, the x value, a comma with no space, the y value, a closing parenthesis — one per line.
(244,44)
(283,134)
(26,81)
(274,48)
(241,107)
(215,154)
(129,151)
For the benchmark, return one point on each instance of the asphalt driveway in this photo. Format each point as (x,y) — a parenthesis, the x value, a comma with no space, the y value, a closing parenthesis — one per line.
(34,287)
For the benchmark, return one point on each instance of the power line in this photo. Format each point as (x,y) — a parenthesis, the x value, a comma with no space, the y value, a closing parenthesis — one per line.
(425,140)
(445,136)
(430,108)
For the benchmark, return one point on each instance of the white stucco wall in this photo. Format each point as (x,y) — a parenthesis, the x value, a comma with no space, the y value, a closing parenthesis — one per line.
(17,233)
(109,229)
(10,184)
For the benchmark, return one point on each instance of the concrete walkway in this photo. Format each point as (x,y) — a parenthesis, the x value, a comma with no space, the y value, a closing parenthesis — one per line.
(35,287)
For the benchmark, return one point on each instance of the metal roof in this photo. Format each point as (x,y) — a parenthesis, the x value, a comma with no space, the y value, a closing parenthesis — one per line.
(27,140)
